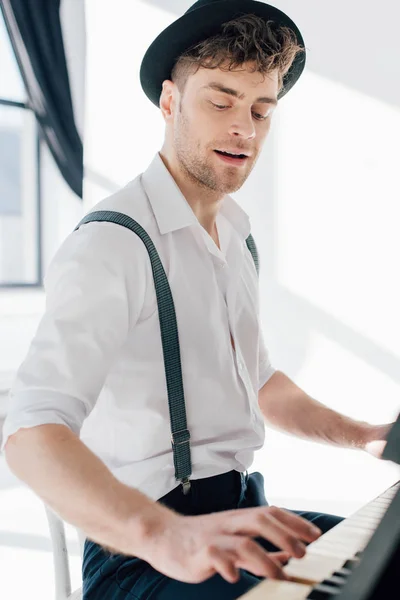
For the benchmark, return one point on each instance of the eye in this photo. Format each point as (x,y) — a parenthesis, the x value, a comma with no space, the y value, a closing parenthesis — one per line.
(261,117)
(219,106)
(257,116)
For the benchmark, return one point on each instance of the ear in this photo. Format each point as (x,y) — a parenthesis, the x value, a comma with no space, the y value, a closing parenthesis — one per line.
(167,100)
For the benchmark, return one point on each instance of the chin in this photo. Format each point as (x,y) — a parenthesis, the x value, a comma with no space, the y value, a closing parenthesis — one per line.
(230,189)
(234,186)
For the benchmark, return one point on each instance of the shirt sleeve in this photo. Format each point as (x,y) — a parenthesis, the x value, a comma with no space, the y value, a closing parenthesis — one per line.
(95,288)
(265,368)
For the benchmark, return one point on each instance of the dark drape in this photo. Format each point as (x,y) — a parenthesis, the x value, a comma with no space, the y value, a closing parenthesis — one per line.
(36,36)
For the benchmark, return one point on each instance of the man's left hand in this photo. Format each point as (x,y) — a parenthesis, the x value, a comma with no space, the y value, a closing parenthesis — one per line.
(375,439)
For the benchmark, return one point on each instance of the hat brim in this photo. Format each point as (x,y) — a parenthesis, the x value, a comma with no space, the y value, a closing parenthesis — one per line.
(200,24)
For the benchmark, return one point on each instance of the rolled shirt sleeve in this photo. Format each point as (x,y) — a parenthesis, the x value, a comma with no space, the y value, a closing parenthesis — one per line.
(265,368)
(95,289)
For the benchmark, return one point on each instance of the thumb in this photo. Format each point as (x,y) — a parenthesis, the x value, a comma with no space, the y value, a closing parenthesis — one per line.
(376,448)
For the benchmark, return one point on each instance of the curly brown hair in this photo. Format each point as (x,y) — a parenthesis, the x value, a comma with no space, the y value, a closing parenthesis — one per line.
(247,39)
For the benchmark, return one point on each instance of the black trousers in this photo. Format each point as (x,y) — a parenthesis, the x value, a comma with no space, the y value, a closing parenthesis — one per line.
(119,577)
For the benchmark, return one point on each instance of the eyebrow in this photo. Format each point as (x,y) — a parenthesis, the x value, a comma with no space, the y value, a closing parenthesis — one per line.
(231,92)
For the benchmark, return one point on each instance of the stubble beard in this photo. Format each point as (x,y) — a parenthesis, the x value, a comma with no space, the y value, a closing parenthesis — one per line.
(196,167)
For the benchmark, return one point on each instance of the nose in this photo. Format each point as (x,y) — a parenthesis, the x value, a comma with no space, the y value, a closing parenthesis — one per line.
(243,125)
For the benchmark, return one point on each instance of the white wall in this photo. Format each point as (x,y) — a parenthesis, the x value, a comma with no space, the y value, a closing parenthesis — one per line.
(123,129)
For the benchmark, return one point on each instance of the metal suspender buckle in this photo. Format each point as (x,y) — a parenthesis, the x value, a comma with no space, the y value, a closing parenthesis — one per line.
(186,485)
(181,460)
(180,437)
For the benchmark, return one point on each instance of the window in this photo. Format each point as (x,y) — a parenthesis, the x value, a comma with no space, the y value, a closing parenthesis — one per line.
(20,225)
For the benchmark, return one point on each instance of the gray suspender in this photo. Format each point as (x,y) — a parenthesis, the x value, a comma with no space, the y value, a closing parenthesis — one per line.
(180,434)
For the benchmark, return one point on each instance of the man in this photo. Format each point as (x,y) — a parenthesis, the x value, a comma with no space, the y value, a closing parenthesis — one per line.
(95,369)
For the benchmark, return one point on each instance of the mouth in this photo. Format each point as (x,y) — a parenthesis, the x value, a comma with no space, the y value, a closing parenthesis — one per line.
(232,158)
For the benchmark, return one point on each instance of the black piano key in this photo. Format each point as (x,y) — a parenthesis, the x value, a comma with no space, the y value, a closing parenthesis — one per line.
(342,572)
(334,580)
(351,563)
(324,592)
(359,554)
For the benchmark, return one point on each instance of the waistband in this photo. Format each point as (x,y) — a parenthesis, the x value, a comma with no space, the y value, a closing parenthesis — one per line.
(211,494)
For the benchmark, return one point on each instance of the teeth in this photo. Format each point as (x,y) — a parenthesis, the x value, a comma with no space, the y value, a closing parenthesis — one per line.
(230,154)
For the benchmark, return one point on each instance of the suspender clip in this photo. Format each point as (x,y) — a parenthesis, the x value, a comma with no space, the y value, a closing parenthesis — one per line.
(186,485)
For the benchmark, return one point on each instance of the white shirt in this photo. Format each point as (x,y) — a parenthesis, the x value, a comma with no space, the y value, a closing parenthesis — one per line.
(96,365)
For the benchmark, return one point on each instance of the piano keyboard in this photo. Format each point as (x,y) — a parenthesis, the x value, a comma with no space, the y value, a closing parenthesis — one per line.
(333,555)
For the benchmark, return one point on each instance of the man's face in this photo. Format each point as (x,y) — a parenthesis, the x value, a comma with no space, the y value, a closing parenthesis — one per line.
(222,112)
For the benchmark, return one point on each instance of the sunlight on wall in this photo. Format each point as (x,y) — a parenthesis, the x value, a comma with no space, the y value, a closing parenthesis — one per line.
(348,383)
(338,206)
(335,225)
(123,129)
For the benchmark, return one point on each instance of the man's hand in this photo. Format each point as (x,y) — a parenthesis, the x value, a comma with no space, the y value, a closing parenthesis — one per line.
(375,439)
(192,549)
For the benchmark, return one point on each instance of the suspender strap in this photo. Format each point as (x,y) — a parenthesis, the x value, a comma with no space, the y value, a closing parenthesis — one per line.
(170,343)
(253,249)
(180,435)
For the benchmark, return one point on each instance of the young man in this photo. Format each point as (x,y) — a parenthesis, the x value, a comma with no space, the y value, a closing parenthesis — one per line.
(95,369)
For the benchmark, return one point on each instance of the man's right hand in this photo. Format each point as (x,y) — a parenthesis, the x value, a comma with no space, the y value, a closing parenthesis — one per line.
(192,549)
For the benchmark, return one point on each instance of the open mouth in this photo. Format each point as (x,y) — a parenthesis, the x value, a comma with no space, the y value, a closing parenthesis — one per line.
(232,158)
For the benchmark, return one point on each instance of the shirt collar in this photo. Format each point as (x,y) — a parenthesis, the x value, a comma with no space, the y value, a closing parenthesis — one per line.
(238,218)
(172,211)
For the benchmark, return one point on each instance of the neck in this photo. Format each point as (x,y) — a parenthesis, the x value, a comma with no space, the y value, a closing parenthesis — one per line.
(204,202)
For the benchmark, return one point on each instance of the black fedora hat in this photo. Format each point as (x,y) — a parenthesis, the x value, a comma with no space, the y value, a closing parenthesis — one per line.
(201,21)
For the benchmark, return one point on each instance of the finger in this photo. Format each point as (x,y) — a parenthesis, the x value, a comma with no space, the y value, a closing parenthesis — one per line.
(284,538)
(223,562)
(252,557)
(281,557)
(299,526)
(262,524)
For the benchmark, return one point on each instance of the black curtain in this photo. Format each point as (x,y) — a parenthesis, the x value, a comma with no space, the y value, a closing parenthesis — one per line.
(35,30)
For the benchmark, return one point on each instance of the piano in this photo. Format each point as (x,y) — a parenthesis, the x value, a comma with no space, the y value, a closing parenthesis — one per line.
(359,559)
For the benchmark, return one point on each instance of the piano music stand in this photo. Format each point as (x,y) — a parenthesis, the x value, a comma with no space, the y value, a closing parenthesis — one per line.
(377,577)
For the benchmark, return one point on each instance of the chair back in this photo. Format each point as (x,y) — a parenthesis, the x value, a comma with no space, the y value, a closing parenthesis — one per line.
(62,573)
